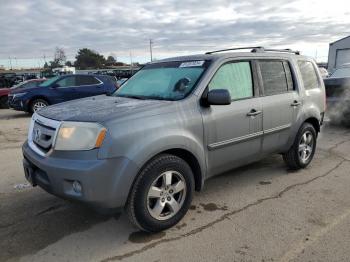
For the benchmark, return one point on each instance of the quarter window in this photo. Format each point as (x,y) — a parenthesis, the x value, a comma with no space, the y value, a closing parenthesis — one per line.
(308,74)
(236,78)
(276,77)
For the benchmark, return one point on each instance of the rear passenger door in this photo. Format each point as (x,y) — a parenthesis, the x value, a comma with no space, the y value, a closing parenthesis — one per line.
(280,102)
(88,85)
(233,133)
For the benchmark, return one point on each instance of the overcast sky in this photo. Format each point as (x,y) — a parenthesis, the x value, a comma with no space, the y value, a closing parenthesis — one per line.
(30,29)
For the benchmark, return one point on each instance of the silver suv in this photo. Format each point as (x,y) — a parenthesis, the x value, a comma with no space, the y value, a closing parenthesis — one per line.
(174,124)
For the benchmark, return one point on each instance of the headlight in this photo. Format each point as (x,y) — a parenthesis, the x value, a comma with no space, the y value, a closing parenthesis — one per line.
(79,136)
(18,94)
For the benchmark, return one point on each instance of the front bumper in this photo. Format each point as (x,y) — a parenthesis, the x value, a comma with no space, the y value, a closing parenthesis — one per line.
(17,104)
(105,182)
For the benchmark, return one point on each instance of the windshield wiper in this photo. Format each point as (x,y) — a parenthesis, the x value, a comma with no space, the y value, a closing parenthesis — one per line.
(132,96)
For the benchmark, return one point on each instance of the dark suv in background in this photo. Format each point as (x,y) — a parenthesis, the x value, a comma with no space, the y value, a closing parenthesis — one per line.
(60,89)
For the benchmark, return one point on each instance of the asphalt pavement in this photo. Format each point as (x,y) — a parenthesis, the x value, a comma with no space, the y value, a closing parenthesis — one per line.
(260,212)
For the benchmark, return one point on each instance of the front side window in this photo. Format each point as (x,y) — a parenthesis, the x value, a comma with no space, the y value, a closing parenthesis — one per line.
(274,77)
(308,74)
(236,78)
(49,81)
(66,82)
(164,81)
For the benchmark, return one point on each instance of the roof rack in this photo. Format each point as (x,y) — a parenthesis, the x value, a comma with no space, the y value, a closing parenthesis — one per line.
(256,49)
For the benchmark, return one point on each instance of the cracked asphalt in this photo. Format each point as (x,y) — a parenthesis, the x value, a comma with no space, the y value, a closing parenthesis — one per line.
(260,212)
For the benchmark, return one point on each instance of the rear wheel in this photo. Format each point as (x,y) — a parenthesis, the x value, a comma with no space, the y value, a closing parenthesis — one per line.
(303,149)
(4,102)
(161,194)
(38,104)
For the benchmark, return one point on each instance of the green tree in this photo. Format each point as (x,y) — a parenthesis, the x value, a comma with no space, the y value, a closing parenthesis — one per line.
(88,59)
(69,63)
(110,60)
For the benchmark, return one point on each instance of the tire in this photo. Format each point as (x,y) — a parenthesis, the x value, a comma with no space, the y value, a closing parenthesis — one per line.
(143,205)
(37,104)
(303,149)
(4,102)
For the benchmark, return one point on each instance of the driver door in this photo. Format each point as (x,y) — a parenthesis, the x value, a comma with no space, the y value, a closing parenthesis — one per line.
(65,89)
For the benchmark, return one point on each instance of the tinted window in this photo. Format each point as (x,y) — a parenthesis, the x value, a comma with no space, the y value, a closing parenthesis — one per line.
(236,78)
(66,82)
(274,77)
(86,80)
(308,75)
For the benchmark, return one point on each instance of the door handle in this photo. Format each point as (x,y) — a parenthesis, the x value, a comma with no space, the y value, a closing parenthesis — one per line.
(295,103)
(254,112)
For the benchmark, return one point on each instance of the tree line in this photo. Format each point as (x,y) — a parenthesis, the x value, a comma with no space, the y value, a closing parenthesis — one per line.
(85,59)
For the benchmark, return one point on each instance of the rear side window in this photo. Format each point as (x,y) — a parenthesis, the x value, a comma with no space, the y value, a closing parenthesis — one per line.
(308,74)
(236,78)
(86,80)
(276,77)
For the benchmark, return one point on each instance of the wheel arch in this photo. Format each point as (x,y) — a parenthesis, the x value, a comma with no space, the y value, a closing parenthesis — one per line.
(30,101)
(314,122)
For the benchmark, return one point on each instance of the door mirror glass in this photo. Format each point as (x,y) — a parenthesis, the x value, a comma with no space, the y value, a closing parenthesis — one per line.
(219,97)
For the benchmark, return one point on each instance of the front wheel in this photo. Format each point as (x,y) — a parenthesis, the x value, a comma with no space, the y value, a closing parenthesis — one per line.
(38,104)
(303,149)
(161,194)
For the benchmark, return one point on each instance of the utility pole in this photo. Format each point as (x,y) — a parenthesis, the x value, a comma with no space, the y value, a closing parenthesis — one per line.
(150,48)
(10,62)
(131,66)
(16,62)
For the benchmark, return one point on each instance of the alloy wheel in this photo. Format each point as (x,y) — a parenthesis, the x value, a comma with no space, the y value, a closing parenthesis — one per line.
(166,195)
(306,146)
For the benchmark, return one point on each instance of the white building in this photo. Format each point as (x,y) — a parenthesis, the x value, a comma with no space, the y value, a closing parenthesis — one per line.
(339,53)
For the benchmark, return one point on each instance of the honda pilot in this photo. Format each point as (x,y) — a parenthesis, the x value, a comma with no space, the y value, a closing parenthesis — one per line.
(177,122)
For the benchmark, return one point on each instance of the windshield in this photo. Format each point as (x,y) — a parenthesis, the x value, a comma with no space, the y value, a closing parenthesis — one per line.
(163,81)
(49,81)
(341,72)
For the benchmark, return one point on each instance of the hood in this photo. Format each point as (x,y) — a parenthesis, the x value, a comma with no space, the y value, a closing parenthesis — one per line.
(333,81)
(22,89)
(101,108)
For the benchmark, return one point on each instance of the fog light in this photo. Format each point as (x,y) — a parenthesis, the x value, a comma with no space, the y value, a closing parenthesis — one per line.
(77,187)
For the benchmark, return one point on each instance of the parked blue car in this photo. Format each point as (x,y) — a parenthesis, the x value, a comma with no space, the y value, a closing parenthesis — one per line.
(60,89)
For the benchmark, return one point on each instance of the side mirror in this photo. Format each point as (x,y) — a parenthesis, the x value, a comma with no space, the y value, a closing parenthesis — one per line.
(219,97)
(55,85)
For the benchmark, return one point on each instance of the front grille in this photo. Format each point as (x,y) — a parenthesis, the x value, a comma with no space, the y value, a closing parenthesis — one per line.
(42,134)
(10,98)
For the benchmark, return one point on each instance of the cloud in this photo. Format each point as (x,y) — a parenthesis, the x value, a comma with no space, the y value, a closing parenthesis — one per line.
(32,28)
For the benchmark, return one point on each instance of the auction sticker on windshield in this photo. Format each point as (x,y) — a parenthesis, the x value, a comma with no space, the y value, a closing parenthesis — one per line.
(192,64)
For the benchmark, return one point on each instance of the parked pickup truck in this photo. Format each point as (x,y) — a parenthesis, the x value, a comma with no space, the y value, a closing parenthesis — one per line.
(175,123)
